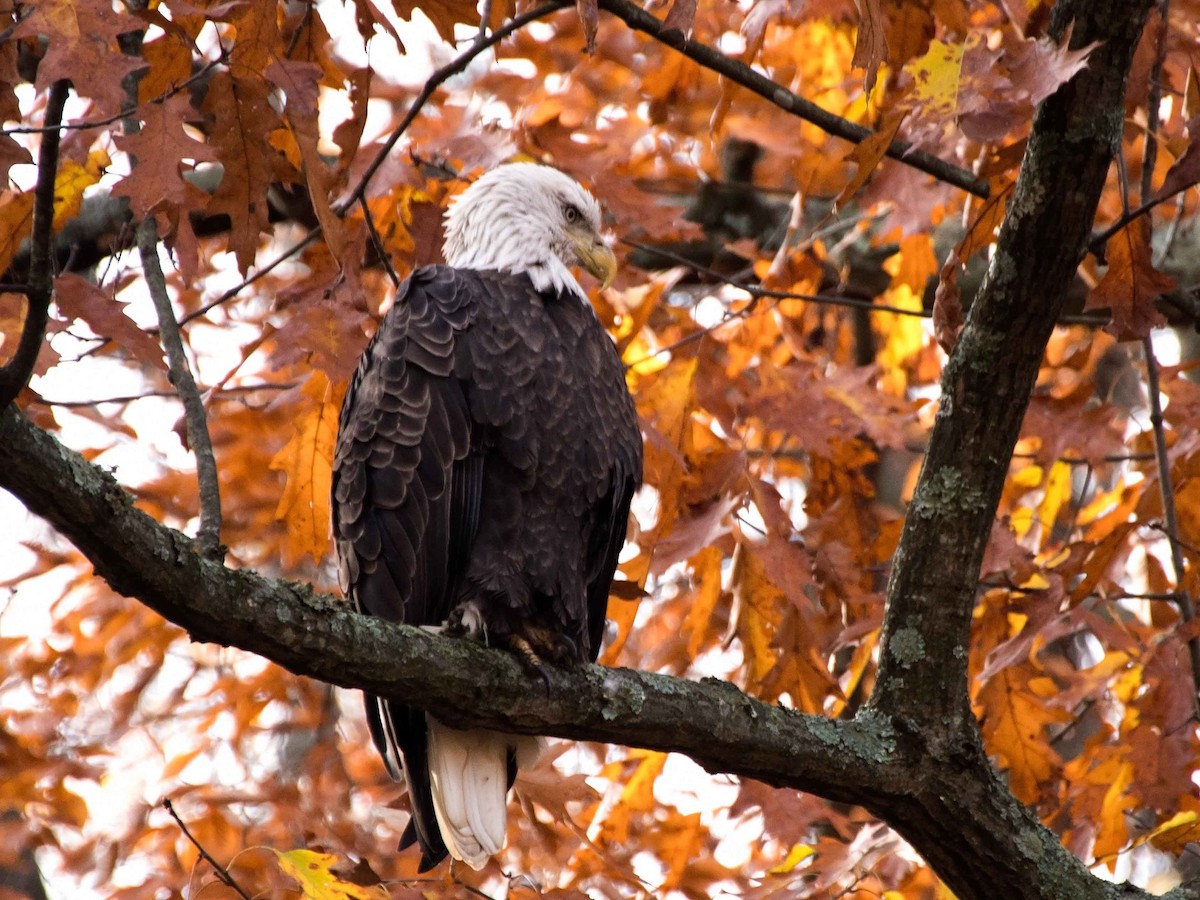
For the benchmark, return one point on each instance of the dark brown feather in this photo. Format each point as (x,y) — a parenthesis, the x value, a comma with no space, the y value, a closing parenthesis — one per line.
(487,454)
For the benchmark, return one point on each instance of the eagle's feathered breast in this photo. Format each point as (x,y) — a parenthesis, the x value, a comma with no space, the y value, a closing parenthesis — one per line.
(493,420)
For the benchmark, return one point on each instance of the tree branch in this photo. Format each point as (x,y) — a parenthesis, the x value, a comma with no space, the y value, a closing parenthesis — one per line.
(14,375)
(208,535)
(988,380)
(318,636)
(955,810)
(737,71)
(985,390)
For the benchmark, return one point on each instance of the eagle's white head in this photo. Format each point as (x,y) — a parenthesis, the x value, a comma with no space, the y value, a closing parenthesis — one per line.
(523,217)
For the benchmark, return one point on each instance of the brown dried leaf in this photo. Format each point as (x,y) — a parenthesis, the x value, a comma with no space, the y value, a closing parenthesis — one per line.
(159,149)
(82,47)
(1131,285)
(78,298)
(1014,724)
(589,18)
(244,121)
(300,83)
(982,231)
(947,305)
(1042,67)
(680,17)
(870,48)
(1185,171)
(869,154)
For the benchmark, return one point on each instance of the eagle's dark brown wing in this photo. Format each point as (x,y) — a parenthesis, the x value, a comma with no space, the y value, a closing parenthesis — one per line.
(487,453)
(406,486)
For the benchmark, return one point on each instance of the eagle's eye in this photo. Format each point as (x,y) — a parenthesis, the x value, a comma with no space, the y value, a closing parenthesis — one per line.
(572,214)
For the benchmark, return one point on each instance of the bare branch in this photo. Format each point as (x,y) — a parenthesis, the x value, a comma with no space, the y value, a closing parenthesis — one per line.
(985,390)
(14,375)
(312,235)
(208,535)
(1183,599)
(481,43)
(736,70)
(377,241)
(222,872)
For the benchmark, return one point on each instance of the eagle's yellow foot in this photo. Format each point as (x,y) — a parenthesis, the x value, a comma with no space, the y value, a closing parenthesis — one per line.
(535,646)
(547,644)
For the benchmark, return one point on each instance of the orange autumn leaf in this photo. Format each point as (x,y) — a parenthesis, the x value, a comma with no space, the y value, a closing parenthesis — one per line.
(307,460)
(1131,285)
(1015,723)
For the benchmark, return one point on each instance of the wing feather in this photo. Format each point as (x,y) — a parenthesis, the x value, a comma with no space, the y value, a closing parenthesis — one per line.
(406,487)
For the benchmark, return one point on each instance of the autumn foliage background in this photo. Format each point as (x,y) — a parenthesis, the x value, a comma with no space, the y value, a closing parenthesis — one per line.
(783,433)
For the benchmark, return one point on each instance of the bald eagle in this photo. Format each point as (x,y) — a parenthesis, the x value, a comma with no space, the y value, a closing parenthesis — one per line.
(487,453)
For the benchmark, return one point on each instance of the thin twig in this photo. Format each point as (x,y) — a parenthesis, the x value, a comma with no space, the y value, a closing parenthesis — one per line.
(1096,244)
(828,299)
(1150,148)
(312,235)
(1187,610)
(757,292)
(15,374)
(208,535)
(456,65)
(1170,517)
(222,872)
(148,395)
(199,75)
(384,257)
(736,70)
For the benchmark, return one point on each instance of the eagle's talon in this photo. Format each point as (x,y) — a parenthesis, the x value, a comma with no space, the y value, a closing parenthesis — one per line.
(530,661)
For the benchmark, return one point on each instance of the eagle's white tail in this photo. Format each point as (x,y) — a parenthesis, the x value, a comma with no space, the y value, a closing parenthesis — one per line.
(468,773)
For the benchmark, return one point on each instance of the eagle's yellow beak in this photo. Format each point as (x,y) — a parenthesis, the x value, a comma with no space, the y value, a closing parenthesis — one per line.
(596,257)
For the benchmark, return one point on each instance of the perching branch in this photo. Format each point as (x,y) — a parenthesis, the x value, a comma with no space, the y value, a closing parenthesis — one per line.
(208,536)
(942,805)
(737,71)
(14,375)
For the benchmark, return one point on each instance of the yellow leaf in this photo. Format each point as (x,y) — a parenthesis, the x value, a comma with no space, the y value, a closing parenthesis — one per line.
(70,183)
(1057,492)
(904,337)
(1113,776)
(937,75)
(1173,835)
(636,796)
(1028,477)
(798,854)
(314,872)
(639,790)
(16,223)
(308,461)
